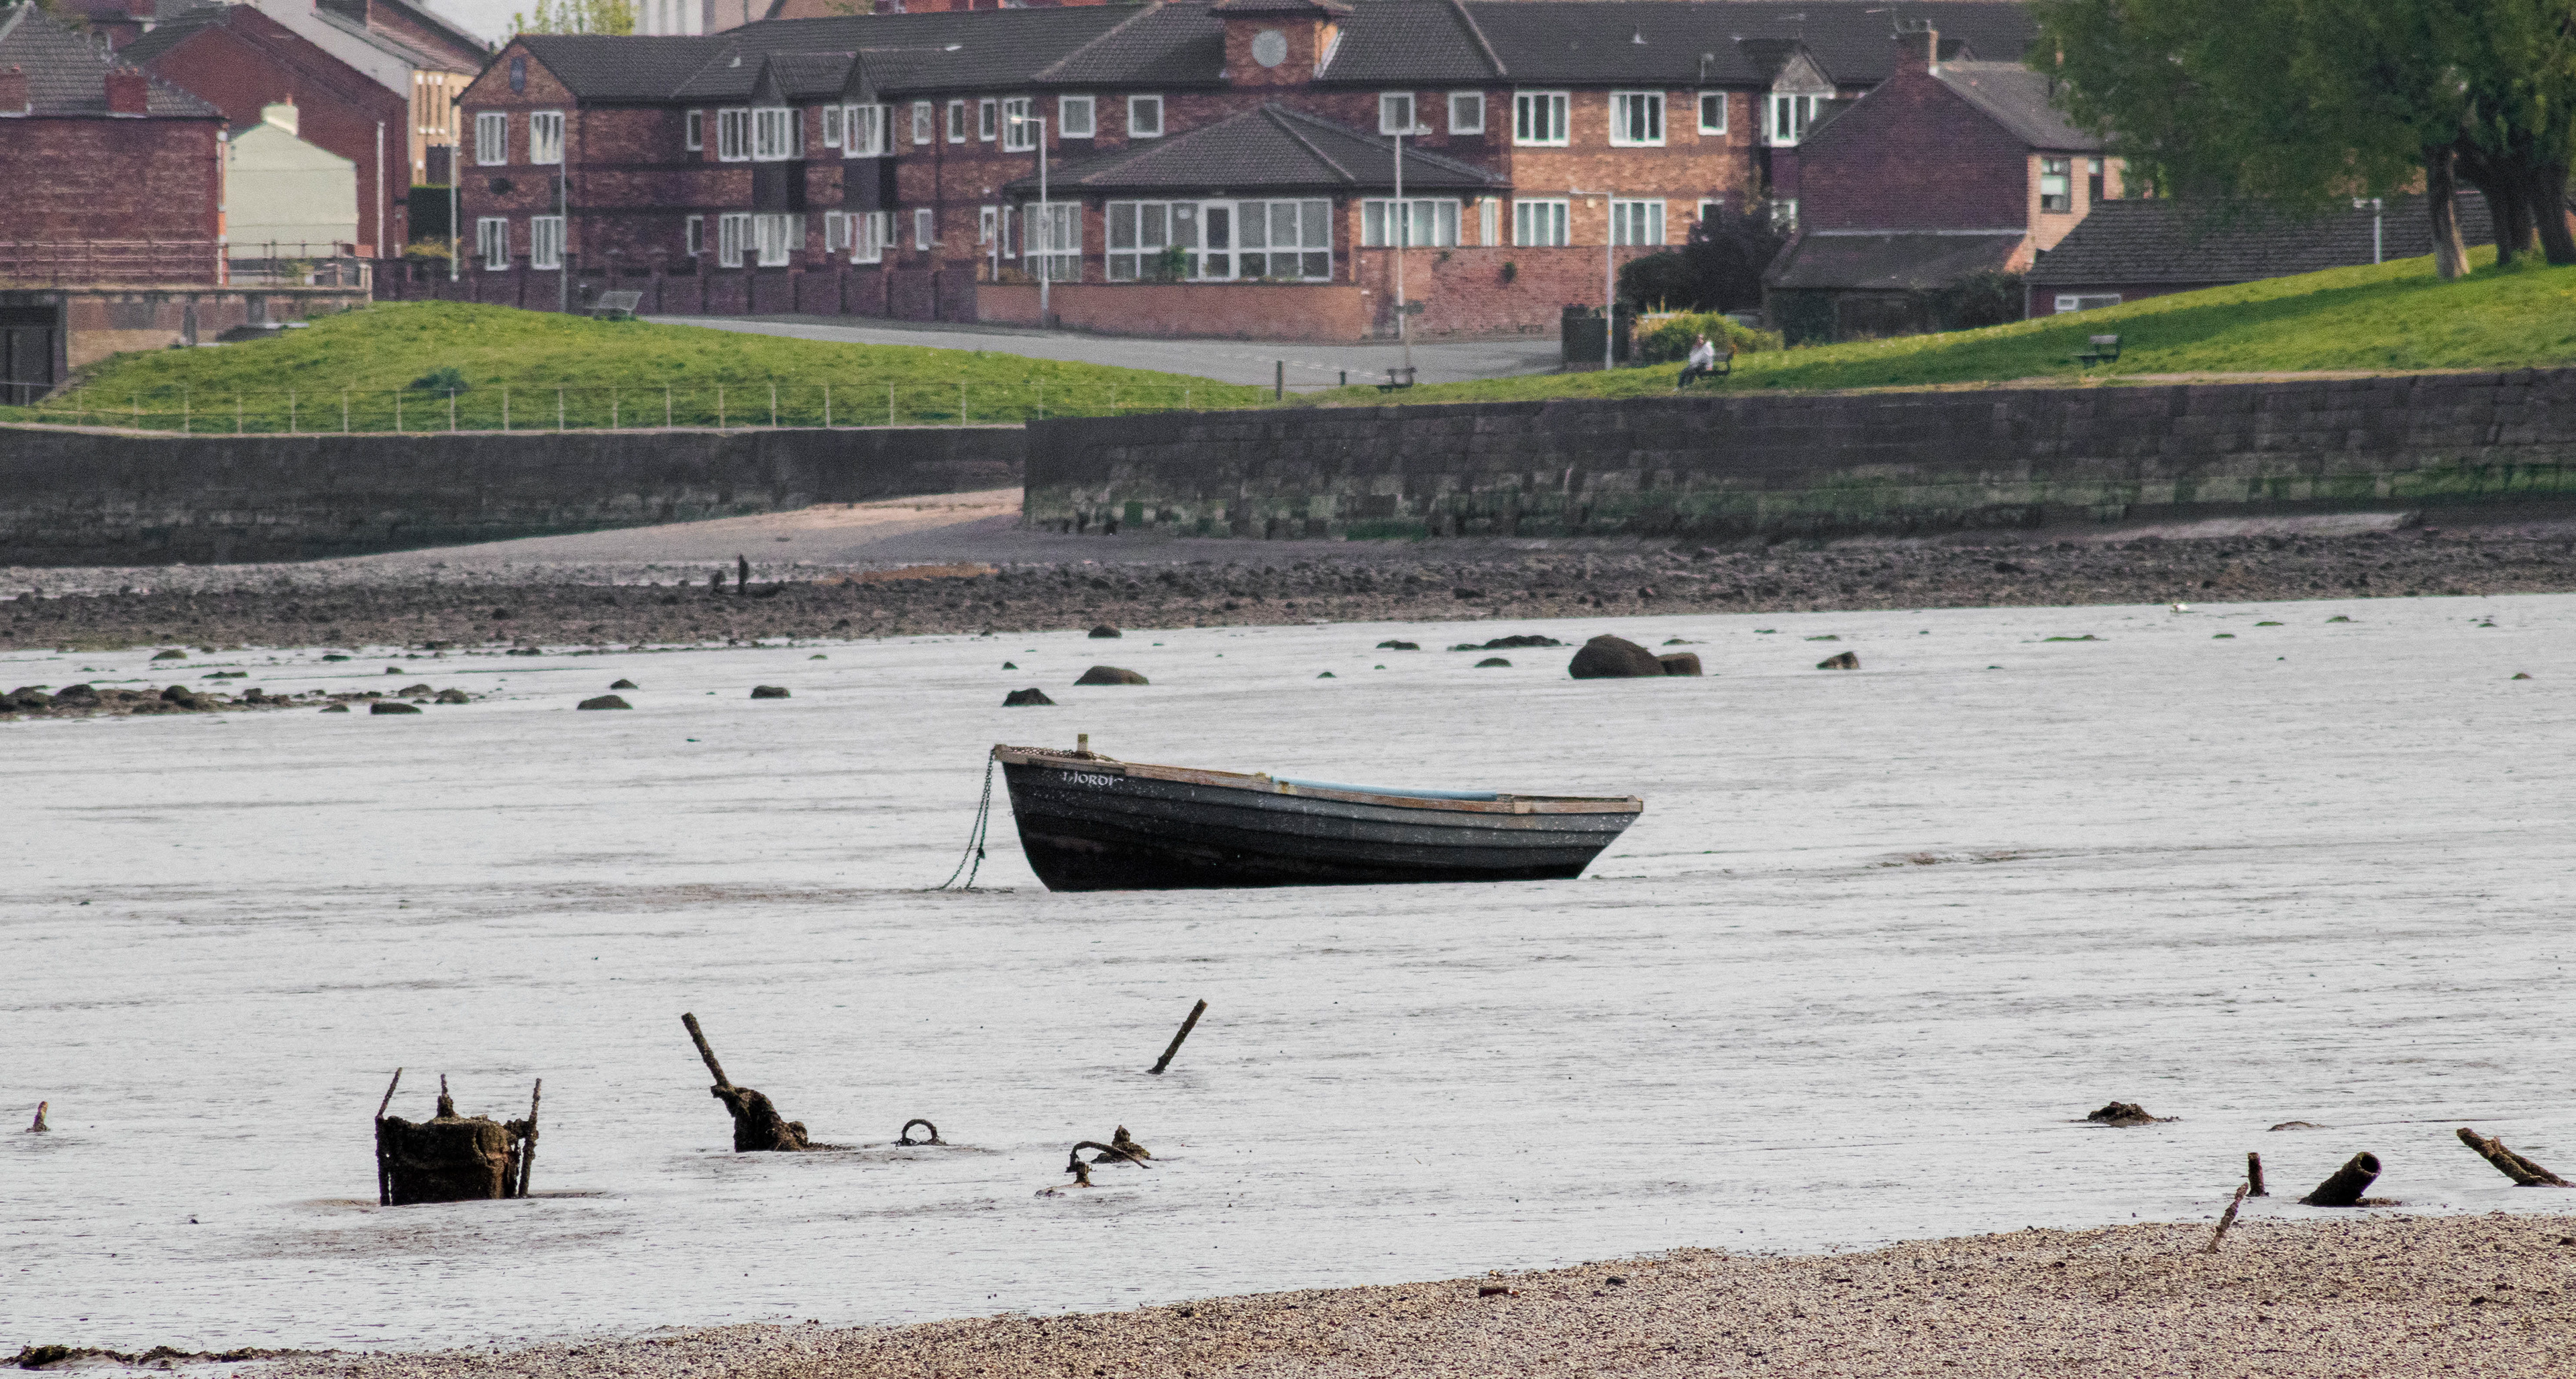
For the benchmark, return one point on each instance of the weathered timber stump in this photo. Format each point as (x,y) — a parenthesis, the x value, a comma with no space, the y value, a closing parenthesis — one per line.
(2124,1113)
(2344,1189)
(449,1158)
(757,1126)
(2523,1171)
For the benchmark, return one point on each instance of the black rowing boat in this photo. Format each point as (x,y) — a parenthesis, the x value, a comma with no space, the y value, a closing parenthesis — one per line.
(1089,823)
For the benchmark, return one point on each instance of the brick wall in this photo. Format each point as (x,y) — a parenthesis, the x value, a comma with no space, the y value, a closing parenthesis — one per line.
(1739,464)
(68,180)
(83,498)
(1915,155)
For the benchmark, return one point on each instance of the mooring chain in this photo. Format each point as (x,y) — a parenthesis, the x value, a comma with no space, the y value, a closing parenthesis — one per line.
(973,861)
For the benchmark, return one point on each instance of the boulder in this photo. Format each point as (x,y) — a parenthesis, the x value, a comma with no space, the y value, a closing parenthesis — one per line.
(454,696)
(606,701)
(1840,660)
(408,691)
(76,696)
(1030,698)
(1493,662)
(392,706)
(173,654)
(2124,1113)
(1327,675)
(1110,675)
(1611,658)
(337,708)
(624,684)
(1681,663)
(1010,665)
(26,698)
(1104,632)
(1399,646)
(769,691)
(182,696)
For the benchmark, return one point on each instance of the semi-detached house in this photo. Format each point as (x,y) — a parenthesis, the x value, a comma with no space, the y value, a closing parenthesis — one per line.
(1225,168)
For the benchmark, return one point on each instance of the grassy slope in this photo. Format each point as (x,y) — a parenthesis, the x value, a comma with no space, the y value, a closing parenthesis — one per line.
(2394,316)
(381,349)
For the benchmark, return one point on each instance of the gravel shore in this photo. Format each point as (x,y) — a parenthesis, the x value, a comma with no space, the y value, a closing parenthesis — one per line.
(426,603)
(2373,1295)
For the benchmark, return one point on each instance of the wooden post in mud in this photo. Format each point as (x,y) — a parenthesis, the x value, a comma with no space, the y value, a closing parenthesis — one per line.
(2523,1171)
(757,1126)
(2254,1175)
(40,1127)
(1186,1026)
(384,1167)
(741,576)
(526,1130)
(2344,1189)
(2227,1220)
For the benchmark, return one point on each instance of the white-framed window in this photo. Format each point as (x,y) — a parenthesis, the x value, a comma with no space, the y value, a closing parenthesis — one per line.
(492,242)
(1636,222)
(1076,117)
(777,134)
(1054,240)
(923,228)
(1538,117)
(492,138)
(1539,224)
(1489,218)
(986,125)
(694,234)
(1019,125)
(1636,119)
(546,241)
(1144,117)
(863,131)
(1212,241)
(1790,116)
(775,237)
(957,122)
(733,234)
(985,218)
(1709,206)
(697,131)
(1396,115)
(925,119)
(1712,112)
(2085,301)
(1466,112)
(871,232)
(1429,223)
(2054,193)
(545,136)
(733,136)
(836,231)
(832,126)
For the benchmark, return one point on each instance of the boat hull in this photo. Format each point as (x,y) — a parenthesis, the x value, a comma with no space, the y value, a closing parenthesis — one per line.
(1093,827)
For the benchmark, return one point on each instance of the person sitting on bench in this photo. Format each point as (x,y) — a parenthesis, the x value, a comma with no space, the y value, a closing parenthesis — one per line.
(1702,363)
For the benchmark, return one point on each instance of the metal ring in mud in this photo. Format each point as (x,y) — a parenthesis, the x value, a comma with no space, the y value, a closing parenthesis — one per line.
(926,1125)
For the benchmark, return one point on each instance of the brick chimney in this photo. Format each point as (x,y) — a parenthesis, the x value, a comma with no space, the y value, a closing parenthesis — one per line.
(128,91)
(1918,46)
(15,99)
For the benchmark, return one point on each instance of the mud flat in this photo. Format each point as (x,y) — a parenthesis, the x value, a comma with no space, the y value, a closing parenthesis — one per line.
(2488,1295)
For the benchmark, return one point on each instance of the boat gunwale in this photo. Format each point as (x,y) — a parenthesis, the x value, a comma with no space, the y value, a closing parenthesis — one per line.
(1502,803)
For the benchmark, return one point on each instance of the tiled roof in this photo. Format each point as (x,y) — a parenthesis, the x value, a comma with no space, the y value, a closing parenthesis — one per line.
(2189,242)
(394,45)
(1675,42)
(2018,99)
(1430,41)
(602,68)
(1306,7)
(1893,262)
(1272,149)
(1166,45)
(66,76)
(811,74)
(958,50)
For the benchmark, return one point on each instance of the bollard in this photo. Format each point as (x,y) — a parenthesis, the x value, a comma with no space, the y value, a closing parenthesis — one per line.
(1186,1025)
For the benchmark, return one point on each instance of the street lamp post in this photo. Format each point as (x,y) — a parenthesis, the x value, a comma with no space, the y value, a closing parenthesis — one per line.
(1399,224)
(1046,224)
(2378,223)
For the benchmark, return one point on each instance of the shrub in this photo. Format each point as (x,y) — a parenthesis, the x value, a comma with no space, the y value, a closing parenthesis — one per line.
(1974,300)
(446,378)
(1672,340)
(1719,269)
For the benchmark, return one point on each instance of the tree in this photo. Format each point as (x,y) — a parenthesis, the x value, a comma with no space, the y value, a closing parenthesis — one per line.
(2305,103)
(1718,269)
(577,17)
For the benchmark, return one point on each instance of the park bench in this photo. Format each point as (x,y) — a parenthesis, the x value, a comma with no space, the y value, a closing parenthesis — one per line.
(617,306)
(1396,378)
(2100,349)
(1724,365)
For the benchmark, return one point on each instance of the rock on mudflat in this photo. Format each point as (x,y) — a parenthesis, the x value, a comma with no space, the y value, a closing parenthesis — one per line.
(1681,663)
(173,654)
(624,684)
(1110,675)
(454,696)
(392,706)
(769,691)
(1841,660)
(1030,698)
(1493,662)
(76,695)
(337,708)
(606,701)
(2124,1113)
(1612,658)
(1399,646)
(1104,631)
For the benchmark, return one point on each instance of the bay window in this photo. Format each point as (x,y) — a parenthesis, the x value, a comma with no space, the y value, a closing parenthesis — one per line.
(777,134)
(1790,116)
(1214,241)
(733,231)
(863,131)
(776,237)
(1538,117)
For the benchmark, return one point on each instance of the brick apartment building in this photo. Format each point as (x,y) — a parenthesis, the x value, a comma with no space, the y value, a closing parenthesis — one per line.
(666,17)
(887,164)
(1949,167)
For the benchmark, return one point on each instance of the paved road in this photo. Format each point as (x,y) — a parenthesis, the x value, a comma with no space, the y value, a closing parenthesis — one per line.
(1227,361)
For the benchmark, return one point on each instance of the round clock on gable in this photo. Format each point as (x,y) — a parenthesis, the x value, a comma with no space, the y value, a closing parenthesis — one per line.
(1270,47)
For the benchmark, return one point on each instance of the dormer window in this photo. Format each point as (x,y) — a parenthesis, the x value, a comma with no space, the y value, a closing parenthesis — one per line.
(1790,116)
(776,134)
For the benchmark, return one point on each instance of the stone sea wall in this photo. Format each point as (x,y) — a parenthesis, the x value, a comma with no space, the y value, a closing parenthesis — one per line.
(1749,463)
(72,497)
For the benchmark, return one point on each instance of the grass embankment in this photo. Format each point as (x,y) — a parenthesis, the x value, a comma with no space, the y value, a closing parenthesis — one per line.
(2392,317)
(633,373)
